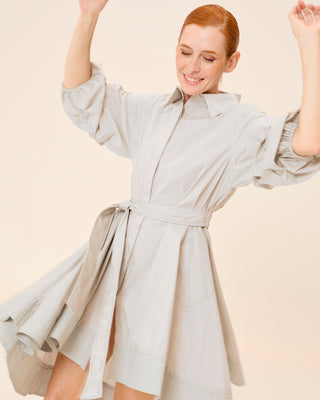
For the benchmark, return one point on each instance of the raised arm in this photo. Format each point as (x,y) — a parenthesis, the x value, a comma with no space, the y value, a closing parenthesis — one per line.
(305,23)
(77,66)
(112,116)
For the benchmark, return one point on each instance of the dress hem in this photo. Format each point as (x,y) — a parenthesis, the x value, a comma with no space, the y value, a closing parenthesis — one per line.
(141,372)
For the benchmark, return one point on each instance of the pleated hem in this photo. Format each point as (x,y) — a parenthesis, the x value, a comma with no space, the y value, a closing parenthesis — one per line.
(148,374)
(139,371)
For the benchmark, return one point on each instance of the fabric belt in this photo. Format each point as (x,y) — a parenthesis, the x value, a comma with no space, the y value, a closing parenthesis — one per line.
(105,236)
(171,214)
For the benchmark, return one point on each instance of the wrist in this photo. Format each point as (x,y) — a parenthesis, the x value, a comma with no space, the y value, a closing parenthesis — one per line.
(87,17)
(87,23)
(309,43)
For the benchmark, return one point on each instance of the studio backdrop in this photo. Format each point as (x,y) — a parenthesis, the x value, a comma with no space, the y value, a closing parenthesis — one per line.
(55,179)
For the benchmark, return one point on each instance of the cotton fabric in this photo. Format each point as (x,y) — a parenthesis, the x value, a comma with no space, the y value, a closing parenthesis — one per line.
(174,337)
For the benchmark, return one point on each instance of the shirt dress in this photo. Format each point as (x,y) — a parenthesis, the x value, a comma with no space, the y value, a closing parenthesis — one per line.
(173,336)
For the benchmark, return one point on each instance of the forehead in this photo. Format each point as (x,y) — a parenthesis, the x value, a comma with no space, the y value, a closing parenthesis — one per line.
(206,37)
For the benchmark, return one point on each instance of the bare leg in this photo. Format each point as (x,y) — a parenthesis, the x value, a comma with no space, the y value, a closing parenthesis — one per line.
(68,379)
(123,392)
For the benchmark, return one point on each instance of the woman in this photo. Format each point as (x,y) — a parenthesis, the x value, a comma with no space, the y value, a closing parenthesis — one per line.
(155,313)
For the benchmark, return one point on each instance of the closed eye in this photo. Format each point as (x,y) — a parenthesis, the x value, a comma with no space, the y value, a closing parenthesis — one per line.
(188,54)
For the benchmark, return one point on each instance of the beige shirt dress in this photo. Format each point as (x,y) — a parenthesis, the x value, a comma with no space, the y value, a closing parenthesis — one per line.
(173,337)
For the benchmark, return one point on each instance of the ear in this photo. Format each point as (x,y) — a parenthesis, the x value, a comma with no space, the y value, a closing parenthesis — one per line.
(232,61)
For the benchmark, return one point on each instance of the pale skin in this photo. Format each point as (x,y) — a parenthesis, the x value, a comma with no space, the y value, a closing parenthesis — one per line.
(197,63)
(68,378)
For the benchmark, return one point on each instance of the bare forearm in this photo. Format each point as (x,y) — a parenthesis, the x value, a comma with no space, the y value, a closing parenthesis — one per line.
(77,66)
(309,118)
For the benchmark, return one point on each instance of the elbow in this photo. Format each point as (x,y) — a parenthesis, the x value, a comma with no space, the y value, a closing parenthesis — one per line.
(317,151)
(303,147)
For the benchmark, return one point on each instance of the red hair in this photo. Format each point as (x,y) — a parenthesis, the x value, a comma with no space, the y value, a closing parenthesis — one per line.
(215,15)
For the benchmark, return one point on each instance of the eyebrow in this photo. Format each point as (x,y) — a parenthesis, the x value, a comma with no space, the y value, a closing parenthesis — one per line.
(205,51)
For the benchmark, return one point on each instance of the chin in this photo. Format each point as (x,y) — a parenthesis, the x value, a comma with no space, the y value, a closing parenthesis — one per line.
(191,90)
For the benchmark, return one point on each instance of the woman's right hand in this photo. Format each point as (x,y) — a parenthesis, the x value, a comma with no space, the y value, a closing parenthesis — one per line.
(92,7)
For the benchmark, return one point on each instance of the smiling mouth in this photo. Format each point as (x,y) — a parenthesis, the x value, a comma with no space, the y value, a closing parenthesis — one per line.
(192,80)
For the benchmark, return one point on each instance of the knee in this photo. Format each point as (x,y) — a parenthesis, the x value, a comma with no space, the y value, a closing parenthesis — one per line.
(54,396)
(59,394)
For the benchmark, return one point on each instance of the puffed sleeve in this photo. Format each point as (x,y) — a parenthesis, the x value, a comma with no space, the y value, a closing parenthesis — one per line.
(262,153)
(111,116)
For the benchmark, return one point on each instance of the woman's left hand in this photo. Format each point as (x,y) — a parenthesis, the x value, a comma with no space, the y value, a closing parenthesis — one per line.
(305,21)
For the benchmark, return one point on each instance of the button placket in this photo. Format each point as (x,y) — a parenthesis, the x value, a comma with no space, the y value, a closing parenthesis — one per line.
(94,386)
(173,111)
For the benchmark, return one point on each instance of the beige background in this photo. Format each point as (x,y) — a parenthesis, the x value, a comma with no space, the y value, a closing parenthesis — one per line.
(55,179)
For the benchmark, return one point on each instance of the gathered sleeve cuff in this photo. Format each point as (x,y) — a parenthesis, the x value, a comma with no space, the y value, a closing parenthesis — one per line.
(263,154)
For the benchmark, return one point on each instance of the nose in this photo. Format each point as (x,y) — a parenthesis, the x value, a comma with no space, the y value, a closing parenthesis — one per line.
(194,65)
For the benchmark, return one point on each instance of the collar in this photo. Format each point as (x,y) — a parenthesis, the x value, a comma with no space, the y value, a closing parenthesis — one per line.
(216,102)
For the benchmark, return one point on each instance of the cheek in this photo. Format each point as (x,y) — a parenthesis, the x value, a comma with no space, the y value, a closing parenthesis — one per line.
(179,62)
(211,70)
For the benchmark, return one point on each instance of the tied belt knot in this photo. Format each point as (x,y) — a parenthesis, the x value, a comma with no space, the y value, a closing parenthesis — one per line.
(104,264)
(166,213)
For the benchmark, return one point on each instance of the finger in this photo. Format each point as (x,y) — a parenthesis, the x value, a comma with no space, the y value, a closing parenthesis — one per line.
(301,4)
(316,12)
(311,6)
(299,14)
(308,15)
(293,12)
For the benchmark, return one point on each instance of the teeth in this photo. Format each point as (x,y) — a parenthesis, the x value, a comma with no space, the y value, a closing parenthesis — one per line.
(192,80)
